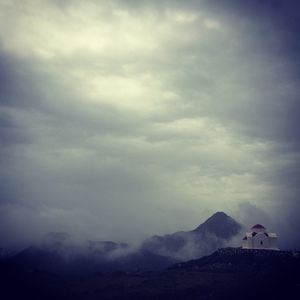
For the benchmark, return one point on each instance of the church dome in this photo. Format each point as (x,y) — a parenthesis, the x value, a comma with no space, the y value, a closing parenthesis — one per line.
(258,226)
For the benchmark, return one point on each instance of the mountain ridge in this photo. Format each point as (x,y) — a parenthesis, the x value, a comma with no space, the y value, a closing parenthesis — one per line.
(210,235)
(57,253)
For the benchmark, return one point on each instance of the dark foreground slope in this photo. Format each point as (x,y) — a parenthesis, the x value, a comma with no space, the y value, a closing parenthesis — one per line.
(226,274)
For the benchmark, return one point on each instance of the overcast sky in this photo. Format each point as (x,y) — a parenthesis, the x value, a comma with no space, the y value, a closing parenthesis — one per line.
(123,119)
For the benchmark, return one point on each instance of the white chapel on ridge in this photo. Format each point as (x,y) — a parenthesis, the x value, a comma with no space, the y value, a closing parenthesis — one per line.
(259,238)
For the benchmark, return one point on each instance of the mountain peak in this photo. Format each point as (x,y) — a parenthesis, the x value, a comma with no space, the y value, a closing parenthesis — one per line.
(217,217)
(219,214)
(219,224)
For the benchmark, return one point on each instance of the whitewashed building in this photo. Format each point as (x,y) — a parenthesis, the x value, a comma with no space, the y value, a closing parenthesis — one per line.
(259,238)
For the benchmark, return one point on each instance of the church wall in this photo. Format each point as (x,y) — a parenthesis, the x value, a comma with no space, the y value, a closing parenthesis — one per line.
(274,243)
(261,241)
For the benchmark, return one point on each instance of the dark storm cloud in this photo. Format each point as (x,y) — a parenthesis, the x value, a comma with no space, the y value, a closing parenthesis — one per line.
(273,47)
(135,112)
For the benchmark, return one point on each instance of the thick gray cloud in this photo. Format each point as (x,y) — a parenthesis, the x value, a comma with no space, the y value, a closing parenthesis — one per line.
(120,119)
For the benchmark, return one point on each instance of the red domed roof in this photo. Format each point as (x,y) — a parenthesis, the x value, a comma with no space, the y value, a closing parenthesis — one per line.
(258,226)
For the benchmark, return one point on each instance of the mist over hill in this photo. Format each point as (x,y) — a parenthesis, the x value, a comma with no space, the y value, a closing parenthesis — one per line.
(185,265)
(58,253)
(215,232)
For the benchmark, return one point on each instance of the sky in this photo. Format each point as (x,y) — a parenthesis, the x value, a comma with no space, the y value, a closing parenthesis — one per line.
(123,119)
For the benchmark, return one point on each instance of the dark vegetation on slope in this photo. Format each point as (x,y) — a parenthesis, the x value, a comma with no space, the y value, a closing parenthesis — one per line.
(229,273)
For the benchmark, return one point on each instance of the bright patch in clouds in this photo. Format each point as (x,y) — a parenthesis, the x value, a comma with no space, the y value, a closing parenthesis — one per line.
(212,24)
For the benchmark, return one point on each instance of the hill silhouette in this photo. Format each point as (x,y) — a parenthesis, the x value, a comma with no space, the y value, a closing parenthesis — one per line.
(229,273)
(57,252)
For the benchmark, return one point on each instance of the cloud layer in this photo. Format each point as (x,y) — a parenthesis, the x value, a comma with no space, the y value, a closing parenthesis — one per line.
(120,119)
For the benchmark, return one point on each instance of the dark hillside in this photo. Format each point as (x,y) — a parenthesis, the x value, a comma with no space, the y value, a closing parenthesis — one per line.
(229,273)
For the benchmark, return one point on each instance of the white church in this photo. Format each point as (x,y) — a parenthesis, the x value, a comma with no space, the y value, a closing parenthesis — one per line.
(259,238)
